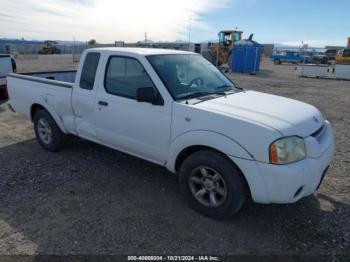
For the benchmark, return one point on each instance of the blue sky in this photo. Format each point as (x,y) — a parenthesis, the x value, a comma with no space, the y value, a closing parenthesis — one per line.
(317,22)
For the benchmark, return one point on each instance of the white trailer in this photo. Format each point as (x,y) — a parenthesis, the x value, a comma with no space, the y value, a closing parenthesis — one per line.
(342,71)
(311,70)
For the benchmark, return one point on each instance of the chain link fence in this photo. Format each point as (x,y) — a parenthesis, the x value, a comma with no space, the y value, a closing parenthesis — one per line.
(27,52)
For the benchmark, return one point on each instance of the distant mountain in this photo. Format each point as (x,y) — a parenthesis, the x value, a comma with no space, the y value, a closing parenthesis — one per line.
(24,41)
(290,47)
(18,41)
(60,42)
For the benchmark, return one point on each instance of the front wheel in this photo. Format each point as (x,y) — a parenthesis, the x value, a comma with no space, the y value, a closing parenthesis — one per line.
(47,132)
(277,62)
(212,184)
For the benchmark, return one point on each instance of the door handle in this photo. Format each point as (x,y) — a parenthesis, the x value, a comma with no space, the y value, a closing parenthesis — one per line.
(102,103)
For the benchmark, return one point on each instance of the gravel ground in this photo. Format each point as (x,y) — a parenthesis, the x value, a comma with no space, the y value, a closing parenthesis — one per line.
(88,199)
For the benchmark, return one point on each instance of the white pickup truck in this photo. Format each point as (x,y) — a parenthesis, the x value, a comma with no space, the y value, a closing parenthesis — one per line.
(7,65)
(177,110)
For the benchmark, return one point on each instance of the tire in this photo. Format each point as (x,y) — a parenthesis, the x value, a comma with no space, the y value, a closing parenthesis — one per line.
(43,121)
(230,183)
(277,62)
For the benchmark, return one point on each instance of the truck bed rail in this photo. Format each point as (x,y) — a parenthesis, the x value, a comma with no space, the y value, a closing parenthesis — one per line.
(41,80)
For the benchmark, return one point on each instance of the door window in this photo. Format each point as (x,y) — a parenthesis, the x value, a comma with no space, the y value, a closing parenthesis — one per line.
(124,76)
(88,73)
(237,36)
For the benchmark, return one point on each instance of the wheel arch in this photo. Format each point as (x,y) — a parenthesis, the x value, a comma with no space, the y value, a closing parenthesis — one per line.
(186,152)
(192,141)
(35,107)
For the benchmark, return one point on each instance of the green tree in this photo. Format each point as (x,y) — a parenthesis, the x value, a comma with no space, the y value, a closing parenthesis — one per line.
(92,42)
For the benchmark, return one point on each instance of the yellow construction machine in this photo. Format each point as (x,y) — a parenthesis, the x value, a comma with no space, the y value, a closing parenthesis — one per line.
(49,48)
(221,53)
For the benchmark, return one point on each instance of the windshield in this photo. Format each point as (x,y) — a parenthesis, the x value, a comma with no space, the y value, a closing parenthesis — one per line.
(190,75)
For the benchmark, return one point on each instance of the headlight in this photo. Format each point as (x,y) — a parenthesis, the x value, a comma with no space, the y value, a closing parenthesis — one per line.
(287,150)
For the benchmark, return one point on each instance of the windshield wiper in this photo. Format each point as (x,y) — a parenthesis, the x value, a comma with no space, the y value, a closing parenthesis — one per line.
(201,94)
(226,86)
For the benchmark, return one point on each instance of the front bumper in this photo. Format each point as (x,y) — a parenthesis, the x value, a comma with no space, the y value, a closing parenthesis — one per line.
(282,184)
(290,183)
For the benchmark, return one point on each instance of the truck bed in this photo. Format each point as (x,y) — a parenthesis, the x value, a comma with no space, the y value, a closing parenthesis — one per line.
(62,76)
(53,90)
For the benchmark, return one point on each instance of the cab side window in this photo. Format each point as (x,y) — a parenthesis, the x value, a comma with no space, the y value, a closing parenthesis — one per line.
(124,76)
(88,73)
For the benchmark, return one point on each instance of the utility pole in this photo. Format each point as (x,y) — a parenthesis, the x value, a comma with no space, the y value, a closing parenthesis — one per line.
(145,37)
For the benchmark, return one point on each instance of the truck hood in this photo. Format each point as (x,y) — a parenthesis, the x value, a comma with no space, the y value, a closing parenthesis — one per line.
(287,116)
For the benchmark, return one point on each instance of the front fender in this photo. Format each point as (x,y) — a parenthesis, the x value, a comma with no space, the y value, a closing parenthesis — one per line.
(206,138)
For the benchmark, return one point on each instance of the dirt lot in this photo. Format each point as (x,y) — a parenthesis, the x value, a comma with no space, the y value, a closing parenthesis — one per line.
(46,63)
(89,199)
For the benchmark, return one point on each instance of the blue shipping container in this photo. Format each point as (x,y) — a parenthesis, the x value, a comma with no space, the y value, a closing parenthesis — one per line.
(246,57)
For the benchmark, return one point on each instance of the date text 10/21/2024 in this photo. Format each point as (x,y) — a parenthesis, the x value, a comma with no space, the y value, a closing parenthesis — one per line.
(173,258)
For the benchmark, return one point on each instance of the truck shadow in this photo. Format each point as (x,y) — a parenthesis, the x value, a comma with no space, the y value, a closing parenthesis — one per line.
(2,105)
(88,199)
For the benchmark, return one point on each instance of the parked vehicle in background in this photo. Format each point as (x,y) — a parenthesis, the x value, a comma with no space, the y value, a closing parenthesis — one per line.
(290,57)
(331,53)
(317,57)
(176,109)
(7,65)
(343,56)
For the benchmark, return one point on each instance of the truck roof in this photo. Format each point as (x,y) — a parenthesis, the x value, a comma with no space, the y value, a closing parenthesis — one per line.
(140,51)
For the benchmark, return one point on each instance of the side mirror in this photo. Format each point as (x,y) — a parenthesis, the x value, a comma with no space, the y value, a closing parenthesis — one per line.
(148,95)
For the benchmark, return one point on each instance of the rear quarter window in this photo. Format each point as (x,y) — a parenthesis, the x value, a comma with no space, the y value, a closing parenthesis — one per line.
(88,73)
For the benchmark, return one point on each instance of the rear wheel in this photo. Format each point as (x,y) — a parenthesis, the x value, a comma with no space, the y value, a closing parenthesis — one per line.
(212,184)
(277,62)
(47,132)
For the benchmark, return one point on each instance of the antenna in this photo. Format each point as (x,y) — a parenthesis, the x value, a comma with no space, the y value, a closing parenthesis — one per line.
(189,49)
(74,49)
(304,58)
(189,33)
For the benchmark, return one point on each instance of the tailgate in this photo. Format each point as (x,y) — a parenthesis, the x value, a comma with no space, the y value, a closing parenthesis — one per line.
(2,82)
(5,65)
